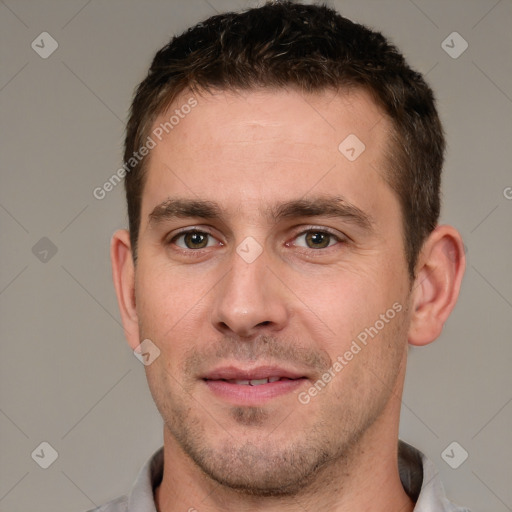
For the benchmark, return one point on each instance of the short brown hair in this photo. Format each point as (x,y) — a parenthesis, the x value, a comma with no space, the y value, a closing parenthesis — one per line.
(310,47)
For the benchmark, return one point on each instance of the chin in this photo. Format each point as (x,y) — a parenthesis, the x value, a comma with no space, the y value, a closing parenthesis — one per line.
(260,467)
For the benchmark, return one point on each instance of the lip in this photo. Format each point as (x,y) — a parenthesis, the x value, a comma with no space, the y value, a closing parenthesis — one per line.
(247,395)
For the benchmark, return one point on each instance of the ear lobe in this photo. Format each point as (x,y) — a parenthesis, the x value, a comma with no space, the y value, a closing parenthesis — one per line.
(440,269)
(123,274)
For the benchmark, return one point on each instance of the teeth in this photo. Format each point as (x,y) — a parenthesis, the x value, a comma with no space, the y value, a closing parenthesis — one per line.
(257,382)
(254,382)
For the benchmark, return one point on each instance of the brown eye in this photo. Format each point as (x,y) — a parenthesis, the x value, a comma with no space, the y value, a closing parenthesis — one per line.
(193,240)
(316,239)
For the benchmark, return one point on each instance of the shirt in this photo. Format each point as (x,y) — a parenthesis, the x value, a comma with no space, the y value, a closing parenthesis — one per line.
(418,475)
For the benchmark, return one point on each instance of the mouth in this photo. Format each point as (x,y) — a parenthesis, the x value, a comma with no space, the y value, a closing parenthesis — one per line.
(252,387)
(255,382)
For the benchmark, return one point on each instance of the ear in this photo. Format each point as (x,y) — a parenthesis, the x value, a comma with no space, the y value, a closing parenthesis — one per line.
(123,274)
(439,272)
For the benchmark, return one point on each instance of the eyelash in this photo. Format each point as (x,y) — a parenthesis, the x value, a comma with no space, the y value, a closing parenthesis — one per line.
(199,252)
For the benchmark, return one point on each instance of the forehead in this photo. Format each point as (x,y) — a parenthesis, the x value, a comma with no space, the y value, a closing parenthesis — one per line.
(244,148)
(291,116)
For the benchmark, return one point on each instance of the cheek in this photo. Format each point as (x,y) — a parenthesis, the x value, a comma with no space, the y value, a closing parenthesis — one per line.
(172,311)
(166,295)
(342,304)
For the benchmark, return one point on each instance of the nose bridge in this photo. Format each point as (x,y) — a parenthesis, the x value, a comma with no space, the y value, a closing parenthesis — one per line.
(250,296)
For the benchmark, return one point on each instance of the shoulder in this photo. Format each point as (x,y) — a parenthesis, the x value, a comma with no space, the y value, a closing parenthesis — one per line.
(118,505)
(432,494)
(140,498)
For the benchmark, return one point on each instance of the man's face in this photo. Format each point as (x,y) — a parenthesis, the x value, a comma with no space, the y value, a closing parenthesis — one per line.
(272,283)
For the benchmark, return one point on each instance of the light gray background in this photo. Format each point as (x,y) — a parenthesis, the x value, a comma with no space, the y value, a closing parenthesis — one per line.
(67,375)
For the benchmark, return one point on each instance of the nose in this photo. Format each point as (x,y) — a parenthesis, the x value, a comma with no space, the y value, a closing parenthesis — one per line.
(250,299)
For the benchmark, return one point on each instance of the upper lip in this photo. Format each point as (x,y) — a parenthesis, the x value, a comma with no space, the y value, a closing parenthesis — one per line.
(261,372)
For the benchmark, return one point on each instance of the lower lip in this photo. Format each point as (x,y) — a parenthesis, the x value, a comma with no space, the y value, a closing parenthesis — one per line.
(241,394)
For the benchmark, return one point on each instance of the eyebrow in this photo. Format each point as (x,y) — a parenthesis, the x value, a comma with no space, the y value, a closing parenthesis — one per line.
(321,206)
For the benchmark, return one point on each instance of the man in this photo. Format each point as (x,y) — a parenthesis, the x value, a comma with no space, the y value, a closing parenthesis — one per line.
(282,178)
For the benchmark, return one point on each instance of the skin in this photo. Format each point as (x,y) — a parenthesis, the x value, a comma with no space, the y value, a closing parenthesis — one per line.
(299,305)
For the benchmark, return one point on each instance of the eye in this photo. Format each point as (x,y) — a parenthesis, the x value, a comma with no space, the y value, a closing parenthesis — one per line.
(193,239)
(317,239)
